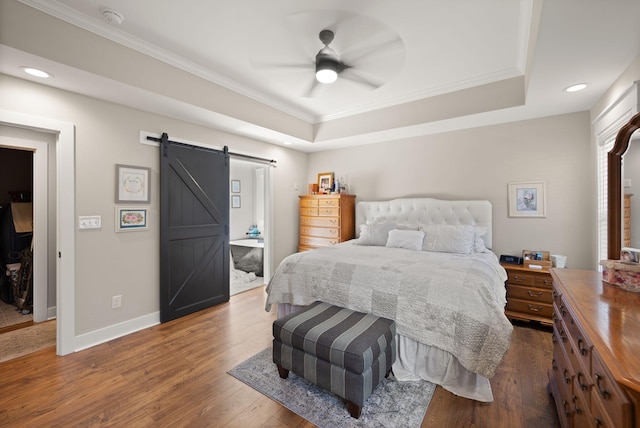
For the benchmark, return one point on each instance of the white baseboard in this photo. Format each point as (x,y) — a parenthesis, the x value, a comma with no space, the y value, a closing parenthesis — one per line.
(52,312)
(106,334)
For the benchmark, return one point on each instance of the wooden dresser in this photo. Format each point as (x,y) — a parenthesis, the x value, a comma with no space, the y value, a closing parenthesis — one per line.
(626,223)
(326,220)
(529,294)
(595,372)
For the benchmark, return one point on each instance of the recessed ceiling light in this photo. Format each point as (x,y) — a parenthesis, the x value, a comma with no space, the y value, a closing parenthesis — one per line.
(576,88)
(36,72)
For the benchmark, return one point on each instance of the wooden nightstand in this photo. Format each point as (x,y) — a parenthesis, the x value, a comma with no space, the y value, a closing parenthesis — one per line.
(529,294)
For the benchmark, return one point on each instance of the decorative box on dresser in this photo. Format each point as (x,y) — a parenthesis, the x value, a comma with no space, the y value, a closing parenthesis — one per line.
(529,296)
(595,372)
(326,220)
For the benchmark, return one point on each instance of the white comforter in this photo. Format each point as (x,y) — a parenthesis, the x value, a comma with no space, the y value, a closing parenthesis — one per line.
(451,301)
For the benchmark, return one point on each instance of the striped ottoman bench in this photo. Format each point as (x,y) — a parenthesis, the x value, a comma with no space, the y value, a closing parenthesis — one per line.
(343,351)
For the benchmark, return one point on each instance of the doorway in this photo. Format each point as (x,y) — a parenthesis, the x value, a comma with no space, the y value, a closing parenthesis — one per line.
(16,236)
(59,165)
(248,185)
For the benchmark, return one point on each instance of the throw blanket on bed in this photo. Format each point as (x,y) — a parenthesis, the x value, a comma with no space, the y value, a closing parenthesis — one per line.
(451,301)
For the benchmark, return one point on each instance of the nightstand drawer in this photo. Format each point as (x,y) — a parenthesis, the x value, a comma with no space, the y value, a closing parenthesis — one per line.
(533,308)
(520,278)
(531,294)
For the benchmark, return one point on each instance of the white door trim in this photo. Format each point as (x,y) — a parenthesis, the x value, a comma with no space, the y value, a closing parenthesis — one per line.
(65,214)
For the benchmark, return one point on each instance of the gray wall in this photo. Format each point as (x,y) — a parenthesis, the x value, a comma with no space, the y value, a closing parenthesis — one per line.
(109,263)
(478,164)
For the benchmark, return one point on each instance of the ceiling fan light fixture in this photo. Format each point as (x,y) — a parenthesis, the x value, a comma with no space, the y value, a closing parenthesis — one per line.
(326,71)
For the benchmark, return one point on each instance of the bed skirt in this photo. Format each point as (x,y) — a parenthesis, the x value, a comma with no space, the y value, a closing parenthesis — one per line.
(417,361)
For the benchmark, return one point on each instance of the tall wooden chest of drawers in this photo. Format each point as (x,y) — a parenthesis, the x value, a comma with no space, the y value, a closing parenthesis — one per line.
(326,220)
(595,372)
(528,294)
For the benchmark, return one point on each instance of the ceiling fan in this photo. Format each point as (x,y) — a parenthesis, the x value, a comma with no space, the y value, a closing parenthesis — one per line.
(360,65)
(328,64)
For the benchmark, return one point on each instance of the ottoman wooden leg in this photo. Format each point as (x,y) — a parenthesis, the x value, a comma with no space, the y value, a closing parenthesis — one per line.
(354,410)
(284,373)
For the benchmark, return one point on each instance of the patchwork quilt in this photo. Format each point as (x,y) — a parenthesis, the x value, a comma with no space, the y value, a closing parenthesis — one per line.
(454,302)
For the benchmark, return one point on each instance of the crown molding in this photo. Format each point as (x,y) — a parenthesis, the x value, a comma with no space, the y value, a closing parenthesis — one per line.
(96,26)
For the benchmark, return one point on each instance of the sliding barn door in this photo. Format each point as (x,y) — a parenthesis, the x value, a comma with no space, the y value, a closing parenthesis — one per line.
(194,228)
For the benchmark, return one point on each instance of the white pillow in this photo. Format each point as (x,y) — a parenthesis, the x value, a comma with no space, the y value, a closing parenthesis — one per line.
(377,233)
(409,239)
(479,245)
(446,238)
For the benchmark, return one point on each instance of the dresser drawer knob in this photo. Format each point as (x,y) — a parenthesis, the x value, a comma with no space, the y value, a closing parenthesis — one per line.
(603,392)
(567,378)
(583,386)
(538,309)
(577,409)
(531,294)
(563,336)
(567,411)
(583,350)
(547,282)
(519,278)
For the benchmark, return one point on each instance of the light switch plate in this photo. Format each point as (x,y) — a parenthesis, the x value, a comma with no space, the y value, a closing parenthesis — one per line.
(90,222)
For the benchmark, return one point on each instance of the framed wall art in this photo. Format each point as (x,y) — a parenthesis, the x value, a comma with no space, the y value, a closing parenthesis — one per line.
(130,219)
(235,201)
(325,182)
(132,184)
(526,199)
(235,186)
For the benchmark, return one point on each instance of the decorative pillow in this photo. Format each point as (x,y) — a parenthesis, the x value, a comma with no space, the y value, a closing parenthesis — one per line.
(409,239)
(446,238)
(377,233)
(478,245)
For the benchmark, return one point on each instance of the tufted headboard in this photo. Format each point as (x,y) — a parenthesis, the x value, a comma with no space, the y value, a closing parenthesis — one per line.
(427,211)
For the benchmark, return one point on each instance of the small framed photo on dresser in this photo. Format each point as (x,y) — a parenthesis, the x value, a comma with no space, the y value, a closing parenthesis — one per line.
(325,182)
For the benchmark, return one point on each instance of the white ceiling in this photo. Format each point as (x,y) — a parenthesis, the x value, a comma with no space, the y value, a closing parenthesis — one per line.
(415,49)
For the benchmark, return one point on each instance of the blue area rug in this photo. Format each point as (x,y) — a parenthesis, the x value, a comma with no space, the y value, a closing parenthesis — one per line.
(392,404)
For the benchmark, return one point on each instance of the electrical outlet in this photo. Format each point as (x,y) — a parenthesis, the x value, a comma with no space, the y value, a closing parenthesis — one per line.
(116,301)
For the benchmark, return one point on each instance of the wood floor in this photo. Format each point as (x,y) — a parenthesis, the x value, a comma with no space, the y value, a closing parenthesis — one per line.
(175,375)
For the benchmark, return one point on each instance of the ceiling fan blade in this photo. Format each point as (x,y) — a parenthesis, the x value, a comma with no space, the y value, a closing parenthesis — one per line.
(310,92)
(354,76)
(387,47)
(289,65)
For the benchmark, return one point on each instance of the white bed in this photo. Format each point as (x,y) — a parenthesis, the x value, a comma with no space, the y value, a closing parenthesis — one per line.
(448,305)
